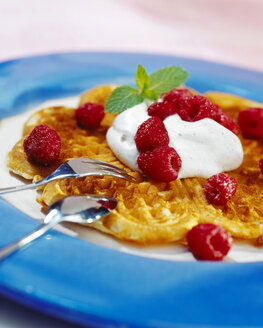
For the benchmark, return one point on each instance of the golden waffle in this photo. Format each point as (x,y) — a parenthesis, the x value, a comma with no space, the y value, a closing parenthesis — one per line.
(149,211)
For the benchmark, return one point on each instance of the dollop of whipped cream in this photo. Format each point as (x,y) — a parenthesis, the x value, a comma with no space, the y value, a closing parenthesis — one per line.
(205,146)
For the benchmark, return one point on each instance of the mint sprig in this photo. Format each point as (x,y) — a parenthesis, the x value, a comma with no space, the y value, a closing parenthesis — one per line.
(142,78)
(149,87)
(166,79)
(122,98)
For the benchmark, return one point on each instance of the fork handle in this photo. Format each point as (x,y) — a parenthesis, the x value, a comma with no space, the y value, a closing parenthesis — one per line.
(17,188)
(15,246)
(34,185)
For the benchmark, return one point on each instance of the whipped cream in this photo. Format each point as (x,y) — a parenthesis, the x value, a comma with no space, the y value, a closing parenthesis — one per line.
(205,147)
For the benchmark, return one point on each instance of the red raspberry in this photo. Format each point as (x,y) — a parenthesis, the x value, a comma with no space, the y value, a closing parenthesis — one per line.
(150,134)
(250,122)
(89,115)
(162,109)
(196,108)
(42,146)
(209,241)
(227,121)
(261,164)
(176,95)
(161,163)
(220,188)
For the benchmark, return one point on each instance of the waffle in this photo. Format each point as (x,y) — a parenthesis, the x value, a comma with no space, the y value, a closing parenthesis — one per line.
(148,211)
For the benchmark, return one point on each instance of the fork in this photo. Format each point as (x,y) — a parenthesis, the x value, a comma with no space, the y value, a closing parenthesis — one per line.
(75,168)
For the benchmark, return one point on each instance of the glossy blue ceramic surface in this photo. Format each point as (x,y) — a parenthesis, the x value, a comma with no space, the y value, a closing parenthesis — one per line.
(92,285)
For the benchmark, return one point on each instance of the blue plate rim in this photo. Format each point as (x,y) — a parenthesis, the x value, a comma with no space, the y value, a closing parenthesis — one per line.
(22,278)
(143,53)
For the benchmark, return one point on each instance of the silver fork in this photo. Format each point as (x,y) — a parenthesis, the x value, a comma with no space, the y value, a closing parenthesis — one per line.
(76,168)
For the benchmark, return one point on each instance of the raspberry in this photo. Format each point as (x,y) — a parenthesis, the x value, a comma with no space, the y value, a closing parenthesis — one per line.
(220,188)
(176,95)
(227,121)
(209,241)
(196,108)
(161,163)
(250,122)
(150,134)
(42,146)
(162,109)
(261,164)
(89,115)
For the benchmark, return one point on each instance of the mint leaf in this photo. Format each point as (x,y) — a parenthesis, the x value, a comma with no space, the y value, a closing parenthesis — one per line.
(150,87)
(122,98)
(166,79)
(142,78)
(150,94)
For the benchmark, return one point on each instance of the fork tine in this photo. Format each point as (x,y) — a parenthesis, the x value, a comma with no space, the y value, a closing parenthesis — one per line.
(112,170)
(107,165)
(116,174)
(97,161)
(110,167)
(120,174)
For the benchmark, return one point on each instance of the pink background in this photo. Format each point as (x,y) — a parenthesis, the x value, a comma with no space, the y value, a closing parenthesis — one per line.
(228,31)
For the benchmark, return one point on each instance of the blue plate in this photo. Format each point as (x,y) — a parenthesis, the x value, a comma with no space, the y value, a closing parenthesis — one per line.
(89,284)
